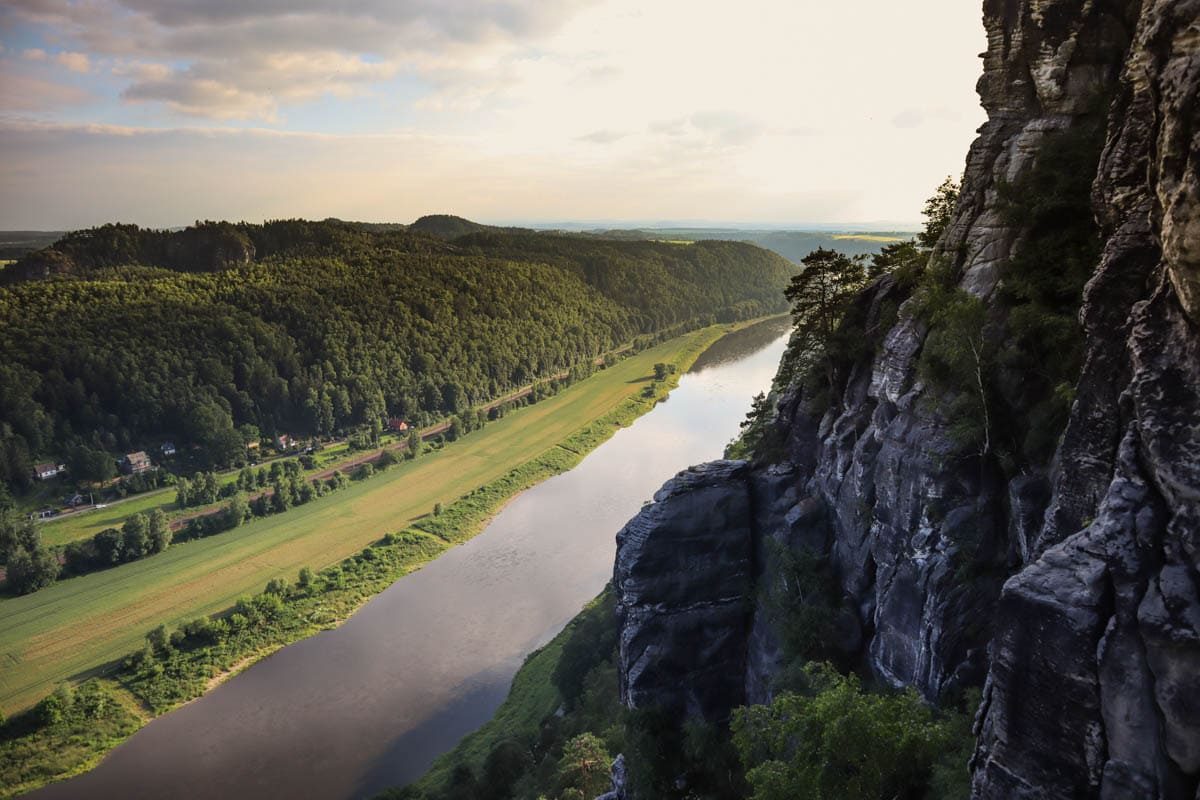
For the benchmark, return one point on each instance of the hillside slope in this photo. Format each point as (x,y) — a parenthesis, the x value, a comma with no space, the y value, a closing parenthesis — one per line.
(117,337)
(1006,500)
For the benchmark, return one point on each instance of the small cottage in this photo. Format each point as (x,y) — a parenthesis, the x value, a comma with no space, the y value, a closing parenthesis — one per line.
(133,463)
(46,471)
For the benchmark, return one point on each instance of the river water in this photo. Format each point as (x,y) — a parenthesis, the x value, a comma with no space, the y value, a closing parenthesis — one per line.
(372,703)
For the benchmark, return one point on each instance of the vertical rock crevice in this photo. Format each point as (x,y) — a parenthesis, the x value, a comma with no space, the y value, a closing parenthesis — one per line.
(1069,590)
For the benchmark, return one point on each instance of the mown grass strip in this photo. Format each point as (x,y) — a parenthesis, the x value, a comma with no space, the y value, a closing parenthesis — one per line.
(59,625)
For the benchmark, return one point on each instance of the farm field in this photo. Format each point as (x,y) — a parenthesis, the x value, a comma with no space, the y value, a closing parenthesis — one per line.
(866,237)
(87,523)
(73,628)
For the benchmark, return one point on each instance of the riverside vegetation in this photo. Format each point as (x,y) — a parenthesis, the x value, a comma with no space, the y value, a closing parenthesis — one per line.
(61,736)
(210,337)
(971,414)
(829,733)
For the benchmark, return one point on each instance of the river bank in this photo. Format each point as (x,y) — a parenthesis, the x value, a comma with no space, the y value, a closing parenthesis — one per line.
(424,540)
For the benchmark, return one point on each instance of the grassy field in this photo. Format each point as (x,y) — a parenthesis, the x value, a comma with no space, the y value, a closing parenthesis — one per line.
(868,237)
(86,524)
(69,630)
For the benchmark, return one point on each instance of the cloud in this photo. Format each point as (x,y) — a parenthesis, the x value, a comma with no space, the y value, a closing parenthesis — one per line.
(727,128)
(602,137)
(141,71)
(20,92)
(909,118)
(246,58)
(581,108)
(76,62)
(203,97)
(254,86)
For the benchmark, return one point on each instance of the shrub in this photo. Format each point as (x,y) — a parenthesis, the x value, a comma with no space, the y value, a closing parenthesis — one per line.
(838,741)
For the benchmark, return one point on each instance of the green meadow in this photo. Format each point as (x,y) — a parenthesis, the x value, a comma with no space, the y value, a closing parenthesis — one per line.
(76,627)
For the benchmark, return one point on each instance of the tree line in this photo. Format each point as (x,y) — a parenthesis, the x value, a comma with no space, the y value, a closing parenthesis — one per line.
(323,328)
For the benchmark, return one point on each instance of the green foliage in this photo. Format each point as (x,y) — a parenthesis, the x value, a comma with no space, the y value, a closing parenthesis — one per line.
(135,537)
(802,602)
(592,637)
(177,665)
(89,464)
(30,565)
(73,727)
(821,295)
(1043,281)
(519,753)
(202,489)
(958,356)
(583,768)
(839,742)
(415,445)
(319,328)
(751,428)
(904,260)
(1010,378)
(938,211)
(951,778)
(159,532)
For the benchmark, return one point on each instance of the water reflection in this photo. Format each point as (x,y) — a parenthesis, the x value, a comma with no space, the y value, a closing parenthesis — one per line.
(374,702)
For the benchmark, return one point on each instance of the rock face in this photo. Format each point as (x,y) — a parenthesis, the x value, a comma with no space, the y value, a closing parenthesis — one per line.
(683,577)
(1071,591)
(1094,686)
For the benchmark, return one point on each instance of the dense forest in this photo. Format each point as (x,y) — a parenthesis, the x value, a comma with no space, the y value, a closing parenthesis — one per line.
(118,337)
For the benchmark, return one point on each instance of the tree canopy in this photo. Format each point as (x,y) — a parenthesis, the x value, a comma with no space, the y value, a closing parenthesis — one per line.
(203,335)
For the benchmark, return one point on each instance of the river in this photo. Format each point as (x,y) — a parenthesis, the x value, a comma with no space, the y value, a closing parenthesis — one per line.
(371,704)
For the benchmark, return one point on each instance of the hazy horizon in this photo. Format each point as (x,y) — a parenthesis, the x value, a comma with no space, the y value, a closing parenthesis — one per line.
(583,225)
(498,110)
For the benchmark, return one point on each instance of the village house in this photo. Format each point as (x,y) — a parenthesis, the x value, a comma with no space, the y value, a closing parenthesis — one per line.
(168,448)
(46,471)
(285,442)
(134,463)
(398,425)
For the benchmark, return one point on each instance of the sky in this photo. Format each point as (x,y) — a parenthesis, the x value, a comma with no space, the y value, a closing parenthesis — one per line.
(765,112)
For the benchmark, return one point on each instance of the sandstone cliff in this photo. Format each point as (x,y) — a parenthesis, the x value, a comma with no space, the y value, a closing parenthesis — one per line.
(1070,589)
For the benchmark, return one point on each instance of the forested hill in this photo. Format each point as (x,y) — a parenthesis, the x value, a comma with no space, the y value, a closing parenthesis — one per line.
(448,226)
(133,336)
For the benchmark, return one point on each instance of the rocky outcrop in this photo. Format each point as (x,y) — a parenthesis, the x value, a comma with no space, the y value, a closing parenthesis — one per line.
(683,579)
(1070,589)
(618,779)
(1094,686)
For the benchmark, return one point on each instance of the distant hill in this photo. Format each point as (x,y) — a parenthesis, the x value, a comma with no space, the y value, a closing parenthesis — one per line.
(14,244)
(450,227)
(118,337)
(791,244)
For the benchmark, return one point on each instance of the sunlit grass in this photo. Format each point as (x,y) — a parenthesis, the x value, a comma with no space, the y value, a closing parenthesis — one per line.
(869,237)
(65,631)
